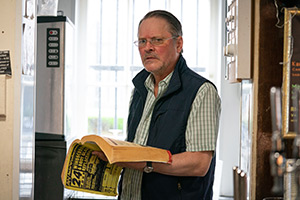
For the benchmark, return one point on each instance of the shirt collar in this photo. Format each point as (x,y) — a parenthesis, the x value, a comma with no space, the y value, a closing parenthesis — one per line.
(149,82)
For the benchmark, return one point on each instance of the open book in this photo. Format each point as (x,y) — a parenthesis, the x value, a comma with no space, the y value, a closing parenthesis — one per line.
(85,172)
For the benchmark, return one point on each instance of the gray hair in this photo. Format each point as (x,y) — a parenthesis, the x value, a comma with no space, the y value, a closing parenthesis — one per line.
(174,23)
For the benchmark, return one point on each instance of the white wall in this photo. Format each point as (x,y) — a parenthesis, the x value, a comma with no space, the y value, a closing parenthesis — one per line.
(10,39)
(229,134)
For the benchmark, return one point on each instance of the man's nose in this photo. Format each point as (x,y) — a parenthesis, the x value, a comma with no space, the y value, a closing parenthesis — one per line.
(149,45)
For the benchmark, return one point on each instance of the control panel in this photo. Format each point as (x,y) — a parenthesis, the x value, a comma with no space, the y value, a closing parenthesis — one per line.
(53,47)
(238,40)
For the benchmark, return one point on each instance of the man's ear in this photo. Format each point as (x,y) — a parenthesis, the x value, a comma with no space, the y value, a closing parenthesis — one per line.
(179,44)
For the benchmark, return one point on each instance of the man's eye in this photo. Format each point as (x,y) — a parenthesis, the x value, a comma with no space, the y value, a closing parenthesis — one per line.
(142,41)
(157,40)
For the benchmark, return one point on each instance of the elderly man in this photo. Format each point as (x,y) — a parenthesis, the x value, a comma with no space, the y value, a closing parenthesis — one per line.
(172,108)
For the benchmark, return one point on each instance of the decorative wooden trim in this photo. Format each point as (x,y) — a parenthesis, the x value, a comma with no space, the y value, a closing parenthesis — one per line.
(291,70)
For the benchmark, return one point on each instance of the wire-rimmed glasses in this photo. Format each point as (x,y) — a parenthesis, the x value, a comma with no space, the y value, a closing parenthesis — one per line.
(155,41)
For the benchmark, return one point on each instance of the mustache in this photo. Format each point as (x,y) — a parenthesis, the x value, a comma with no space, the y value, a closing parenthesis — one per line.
(149,55)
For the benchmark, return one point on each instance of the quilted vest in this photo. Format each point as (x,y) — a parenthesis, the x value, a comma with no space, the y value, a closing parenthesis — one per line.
(167,131)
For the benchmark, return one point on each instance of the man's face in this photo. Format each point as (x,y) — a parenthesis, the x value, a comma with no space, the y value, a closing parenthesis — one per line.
(159,60)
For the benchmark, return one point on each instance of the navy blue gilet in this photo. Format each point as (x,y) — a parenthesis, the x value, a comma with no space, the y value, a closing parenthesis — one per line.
(167,131)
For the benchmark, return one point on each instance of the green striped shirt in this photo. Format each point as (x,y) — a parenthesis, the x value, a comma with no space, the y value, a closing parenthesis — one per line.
(201,132)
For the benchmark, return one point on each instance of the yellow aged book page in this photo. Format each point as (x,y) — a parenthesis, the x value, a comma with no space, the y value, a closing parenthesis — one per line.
(86,172)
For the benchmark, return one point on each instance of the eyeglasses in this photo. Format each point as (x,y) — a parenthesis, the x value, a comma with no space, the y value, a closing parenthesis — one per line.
(154,41)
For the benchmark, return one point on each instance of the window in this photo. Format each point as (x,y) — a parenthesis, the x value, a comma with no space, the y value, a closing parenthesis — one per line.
(112,60)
